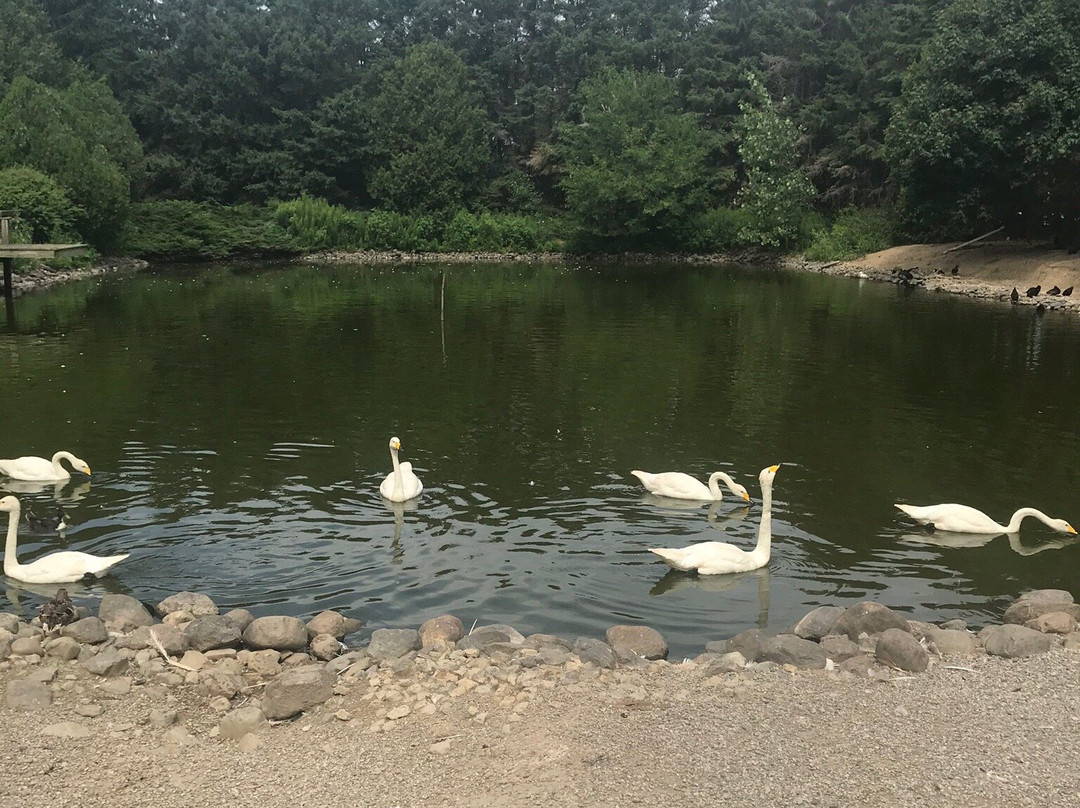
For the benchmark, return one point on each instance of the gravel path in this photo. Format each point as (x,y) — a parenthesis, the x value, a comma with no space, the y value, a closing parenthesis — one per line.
(1001,733)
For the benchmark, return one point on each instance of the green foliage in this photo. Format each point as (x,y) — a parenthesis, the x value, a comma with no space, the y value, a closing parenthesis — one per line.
(79,137)
(855,232)
(990,119)
(634,166)
(46,215)
(775,193)
(26,47)
(428,137)
(718,229)
(177,230)
(315,224)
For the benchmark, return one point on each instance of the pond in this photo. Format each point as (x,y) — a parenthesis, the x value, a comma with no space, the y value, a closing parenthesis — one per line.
(237,421)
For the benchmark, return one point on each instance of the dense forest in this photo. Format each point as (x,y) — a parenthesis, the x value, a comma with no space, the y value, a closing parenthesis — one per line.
(205,127)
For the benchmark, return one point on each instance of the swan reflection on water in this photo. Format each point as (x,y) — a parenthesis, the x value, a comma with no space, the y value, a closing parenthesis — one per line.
(675,580)
(77,490)
(398,509)
(958,541)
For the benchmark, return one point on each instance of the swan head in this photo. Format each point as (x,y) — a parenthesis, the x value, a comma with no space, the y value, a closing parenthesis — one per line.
(740,491)
(1061,526)
(395,444)
(9,504)
(767,474)
(83,467)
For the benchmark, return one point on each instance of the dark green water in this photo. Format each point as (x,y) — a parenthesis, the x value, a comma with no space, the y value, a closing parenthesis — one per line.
(237,423)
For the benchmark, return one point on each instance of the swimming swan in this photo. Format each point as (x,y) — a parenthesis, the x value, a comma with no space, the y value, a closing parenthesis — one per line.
(56,568)
(40,469)
(677,485)
(400,484)
(717,557)
(965,519)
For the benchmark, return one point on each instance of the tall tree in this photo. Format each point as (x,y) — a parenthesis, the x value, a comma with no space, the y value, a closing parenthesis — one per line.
(990,121)
(429,139)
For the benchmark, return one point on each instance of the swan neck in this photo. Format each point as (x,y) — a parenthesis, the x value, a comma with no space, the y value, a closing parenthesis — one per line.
(399,483)
(714,486)
(1021,515)
(56,458)
(11,563)
(764,536)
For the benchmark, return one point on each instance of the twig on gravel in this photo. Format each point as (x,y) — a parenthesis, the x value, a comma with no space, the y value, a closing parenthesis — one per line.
(165,654)
(957,668)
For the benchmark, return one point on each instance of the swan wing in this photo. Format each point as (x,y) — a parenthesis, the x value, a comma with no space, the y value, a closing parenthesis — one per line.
(708,558)
(673,484)
(952,517)
(29,468)
(410,485)
(66,567)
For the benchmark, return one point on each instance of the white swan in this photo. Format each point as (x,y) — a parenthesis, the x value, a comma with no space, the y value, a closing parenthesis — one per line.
(42,470)
(964,519)
(64,567)
(717,557)
(400,484)
(677,485)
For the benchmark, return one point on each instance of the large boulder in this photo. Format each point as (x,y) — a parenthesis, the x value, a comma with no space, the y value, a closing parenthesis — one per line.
(898,649)
(818,623)
(444,628)
(839,648)
(297,690)
(631,642)
(241,721)
(107,663)
(393,643)
(1035,604)
(328,622)
(211,631)
(952,642)
(9,623)
(868,618)
(748,643)
(1053,623)
(278,632)
(787,649)
(1012,641)
(88,631)
(594,651)
(123,613)
(193,603)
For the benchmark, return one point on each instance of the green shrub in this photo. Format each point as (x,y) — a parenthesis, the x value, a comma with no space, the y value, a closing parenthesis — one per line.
(315,224)
(45,213)
(855,232)
(717,229)
(177,230)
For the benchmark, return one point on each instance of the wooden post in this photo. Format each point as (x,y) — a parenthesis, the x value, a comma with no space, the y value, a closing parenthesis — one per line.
(5,238)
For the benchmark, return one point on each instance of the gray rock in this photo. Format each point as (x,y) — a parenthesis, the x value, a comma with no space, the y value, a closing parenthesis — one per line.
(88,631)
(539,641)
(26,694)
(839,648)
(554,656)
(726,663)
(1012,641)
(241,721)
(264,663)
(123,613)
(1035,604)
(1053,623)
(748,643)
(956,624)
(297,690)
(860,665)
(594,651)
(328,622)
(818,623)
(445,627)
(220,682)
(484,636)
(191,602)
(325,647)
(25,646)
(66,648)
(952,642)
(162,718)
(211,631)
(9,623)
(870,618)
(898,649)
(352,625)
(278,632)
(241,618)
(1071,642)
(6,639)
(629,642)
(107,663)
(354,661)
(393,643)
(172,639)
(787,649)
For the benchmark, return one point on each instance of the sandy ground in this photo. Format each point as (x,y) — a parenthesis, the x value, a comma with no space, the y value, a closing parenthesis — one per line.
(987,269)
(974,732)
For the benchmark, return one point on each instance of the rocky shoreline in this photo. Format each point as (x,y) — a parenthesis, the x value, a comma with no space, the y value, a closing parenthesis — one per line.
(246,673)
(39,276)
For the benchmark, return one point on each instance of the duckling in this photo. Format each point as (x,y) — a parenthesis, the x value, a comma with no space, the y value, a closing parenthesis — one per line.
(46,524)
(1067,292)
(1033,291)
(1053,290)
(1015,296)
(56,613)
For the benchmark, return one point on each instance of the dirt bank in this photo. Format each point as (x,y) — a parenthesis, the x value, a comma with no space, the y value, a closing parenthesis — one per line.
(987,269)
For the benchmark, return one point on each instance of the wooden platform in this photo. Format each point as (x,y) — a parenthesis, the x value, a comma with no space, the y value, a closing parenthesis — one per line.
(42,251)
